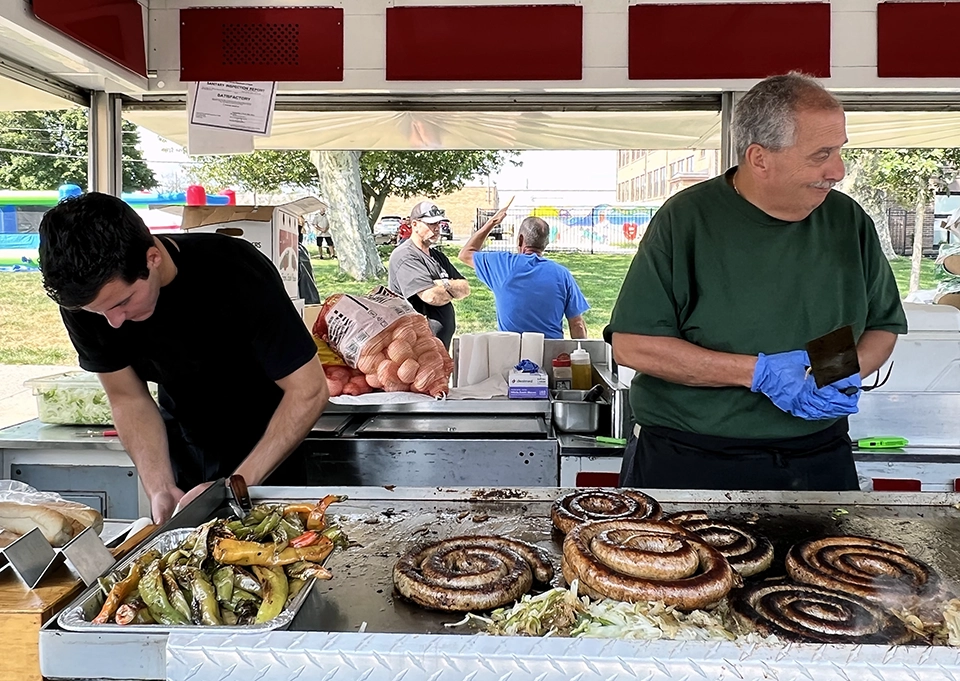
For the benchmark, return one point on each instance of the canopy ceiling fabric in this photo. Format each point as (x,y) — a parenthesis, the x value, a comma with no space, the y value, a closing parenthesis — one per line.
(16,96)
(363,130)
(468,130)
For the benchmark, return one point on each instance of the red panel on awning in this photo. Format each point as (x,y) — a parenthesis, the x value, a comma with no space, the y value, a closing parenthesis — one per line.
(542,42)
(261,44)
(112,28)
(743,40)
(914,40)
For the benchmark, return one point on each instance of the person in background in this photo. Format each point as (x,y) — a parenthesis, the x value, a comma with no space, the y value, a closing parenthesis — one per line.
(321,226)
(306,282)
(206,317)
(731,280)
(518,278)
(404,230)
(425,276)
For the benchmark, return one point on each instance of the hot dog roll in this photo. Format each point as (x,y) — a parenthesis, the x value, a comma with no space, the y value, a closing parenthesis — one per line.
(876,570)
(470,573)
(580,507)
(22,518)
(748,553)
(642,560)
(801,612)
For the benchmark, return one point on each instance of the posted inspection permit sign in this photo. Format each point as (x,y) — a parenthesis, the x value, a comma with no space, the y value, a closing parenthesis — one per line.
(238,106)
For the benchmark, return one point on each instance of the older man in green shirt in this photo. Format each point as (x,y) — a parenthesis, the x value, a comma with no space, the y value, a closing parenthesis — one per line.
(733,277)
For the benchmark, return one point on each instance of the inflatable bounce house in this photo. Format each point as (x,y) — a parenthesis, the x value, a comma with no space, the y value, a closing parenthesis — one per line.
(21,212)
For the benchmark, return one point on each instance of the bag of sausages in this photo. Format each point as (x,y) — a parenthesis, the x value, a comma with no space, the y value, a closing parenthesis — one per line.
(388,341)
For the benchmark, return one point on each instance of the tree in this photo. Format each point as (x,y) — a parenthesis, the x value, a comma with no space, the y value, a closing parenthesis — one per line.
(382,173)
(355,184)
(56,146)
(861,167)
(422,173)
(911,177)
(261,172)
(339,173)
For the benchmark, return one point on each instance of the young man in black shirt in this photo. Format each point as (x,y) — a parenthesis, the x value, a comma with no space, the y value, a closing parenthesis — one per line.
(207,318)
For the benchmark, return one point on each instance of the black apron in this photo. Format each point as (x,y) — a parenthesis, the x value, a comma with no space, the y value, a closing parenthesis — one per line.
(664,458)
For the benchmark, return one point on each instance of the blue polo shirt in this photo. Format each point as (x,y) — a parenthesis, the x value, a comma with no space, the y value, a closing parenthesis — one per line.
(531,292)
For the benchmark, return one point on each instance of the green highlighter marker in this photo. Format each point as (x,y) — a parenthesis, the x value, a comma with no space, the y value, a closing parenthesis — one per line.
(882,443)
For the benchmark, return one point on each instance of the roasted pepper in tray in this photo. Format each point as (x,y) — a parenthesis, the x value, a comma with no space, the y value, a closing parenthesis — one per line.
(232,572)
(273,581)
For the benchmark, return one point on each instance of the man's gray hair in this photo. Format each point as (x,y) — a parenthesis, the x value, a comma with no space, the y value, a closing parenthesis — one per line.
(535,233)
(767,114)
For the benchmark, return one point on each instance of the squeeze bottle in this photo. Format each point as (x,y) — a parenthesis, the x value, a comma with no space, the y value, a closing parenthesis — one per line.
(581,368)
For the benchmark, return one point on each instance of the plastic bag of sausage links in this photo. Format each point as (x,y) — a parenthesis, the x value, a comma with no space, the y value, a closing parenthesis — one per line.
(381,335)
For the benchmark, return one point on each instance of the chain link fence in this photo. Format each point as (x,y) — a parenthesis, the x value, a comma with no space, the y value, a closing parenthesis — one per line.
(575,229)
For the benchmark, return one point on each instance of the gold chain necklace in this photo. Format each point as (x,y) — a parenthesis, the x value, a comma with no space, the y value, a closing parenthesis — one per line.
(733,181)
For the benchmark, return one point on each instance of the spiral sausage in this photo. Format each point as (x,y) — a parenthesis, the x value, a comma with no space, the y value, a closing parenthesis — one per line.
(584,506)
(748,553)
(876,570)
(470,573)
(637,560)
(801,612)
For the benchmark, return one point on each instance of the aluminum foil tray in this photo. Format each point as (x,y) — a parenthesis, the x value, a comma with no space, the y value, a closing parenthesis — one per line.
(78,615)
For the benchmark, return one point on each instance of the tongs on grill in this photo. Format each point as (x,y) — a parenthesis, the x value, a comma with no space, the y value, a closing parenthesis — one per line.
(239,500)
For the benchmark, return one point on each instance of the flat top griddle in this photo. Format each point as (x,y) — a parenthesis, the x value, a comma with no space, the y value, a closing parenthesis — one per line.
(362,588)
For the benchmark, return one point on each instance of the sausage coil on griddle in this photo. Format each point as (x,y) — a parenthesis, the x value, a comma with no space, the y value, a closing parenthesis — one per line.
(869,568)
(747,552)
(590,505)
(801,612)
(643,560)
(470,573)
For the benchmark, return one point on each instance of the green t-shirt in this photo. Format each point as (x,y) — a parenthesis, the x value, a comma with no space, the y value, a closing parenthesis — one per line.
(715,270)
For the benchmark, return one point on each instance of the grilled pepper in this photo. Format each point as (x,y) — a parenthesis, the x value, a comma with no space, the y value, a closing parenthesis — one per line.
(305,570)
(244,581)
(234,552)
(275,588)
(151,590)
(122,589)
(177,598)
(133,613)
(223,583)
(317,520)
(266,526)
(205,607)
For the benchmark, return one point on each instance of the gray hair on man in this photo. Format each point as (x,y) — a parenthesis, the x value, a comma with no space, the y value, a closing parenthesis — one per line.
(766,115)
(535,233)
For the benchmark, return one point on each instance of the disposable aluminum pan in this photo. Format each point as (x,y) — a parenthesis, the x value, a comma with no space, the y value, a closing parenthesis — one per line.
(78,615)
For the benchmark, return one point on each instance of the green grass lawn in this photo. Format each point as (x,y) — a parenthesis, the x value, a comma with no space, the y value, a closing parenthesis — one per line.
(31,331)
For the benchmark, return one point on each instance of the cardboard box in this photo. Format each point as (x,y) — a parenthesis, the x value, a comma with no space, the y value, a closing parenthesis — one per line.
(310,314)
(528,386)
(272,229)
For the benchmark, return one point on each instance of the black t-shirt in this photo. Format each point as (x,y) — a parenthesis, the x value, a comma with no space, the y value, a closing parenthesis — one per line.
(223,331)
(412,271)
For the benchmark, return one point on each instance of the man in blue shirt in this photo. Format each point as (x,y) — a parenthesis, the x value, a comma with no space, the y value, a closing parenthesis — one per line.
(531,292)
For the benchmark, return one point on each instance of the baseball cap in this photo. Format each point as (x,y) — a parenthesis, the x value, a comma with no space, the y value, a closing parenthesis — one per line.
(427,211)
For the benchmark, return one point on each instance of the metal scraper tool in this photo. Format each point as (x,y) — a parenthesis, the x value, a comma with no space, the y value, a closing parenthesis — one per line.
(833,357)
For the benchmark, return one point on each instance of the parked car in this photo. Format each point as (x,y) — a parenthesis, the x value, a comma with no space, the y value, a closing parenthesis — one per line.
(484,214)
(446,231)
(385,231)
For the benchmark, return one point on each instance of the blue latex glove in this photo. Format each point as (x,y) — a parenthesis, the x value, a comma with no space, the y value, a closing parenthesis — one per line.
(783,378)
(828,402)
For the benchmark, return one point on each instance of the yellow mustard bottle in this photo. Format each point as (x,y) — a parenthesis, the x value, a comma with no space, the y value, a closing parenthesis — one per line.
(581,368)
